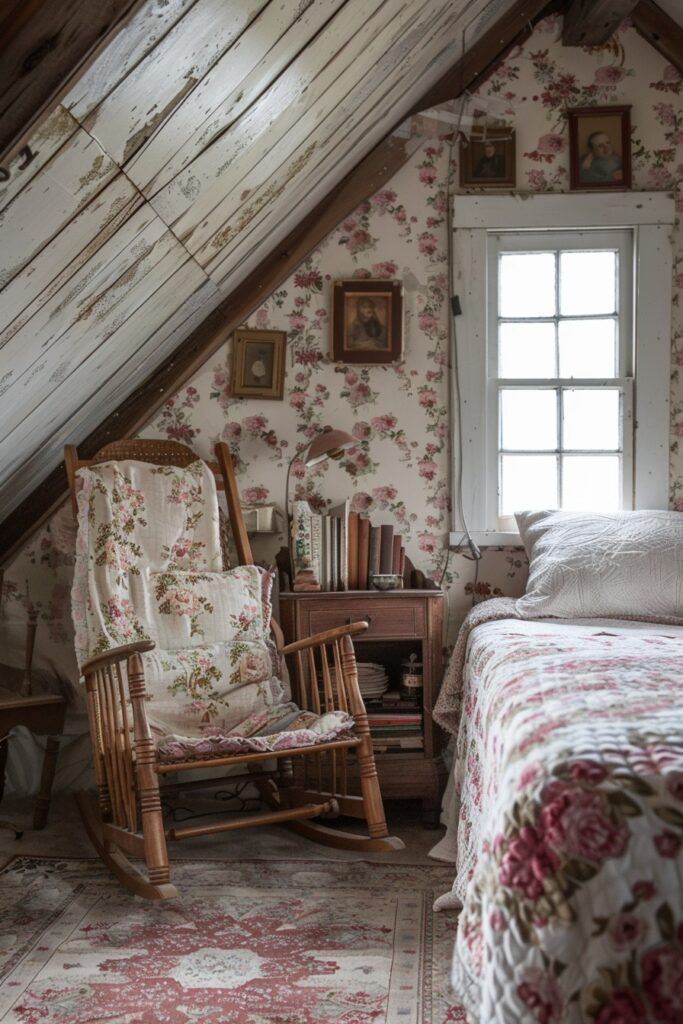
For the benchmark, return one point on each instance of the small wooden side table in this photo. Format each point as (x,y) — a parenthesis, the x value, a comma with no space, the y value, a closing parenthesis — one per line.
(400,622)
(44,716)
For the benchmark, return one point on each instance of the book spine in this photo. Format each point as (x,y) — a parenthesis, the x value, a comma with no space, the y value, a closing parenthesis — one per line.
(344,548)
(396,554)
(316,546)
(386,548)
(373,554)
(352,568)
(326,581)
(363,552)
(334,552)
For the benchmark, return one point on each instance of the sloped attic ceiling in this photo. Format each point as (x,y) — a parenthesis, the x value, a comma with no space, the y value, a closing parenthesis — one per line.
(176,169)
(202,133)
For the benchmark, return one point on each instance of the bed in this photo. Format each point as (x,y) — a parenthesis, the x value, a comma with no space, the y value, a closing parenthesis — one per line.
(569,783)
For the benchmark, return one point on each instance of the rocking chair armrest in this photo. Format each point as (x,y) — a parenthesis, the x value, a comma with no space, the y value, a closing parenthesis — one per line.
(352,629)
(115,654)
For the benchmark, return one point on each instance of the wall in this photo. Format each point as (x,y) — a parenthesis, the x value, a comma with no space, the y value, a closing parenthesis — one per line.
(399,413)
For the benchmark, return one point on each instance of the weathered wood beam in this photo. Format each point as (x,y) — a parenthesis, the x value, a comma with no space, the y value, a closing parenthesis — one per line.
(373,171)
(660,30)
(592,22)
(43,46)
(479,60)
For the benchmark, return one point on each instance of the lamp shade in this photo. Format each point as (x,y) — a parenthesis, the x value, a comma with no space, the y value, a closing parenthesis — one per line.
(329,444)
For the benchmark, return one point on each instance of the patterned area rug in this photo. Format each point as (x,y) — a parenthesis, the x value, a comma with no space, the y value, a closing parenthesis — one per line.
(293,942)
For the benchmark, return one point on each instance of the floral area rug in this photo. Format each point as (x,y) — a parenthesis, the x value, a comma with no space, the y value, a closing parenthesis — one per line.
(293,942)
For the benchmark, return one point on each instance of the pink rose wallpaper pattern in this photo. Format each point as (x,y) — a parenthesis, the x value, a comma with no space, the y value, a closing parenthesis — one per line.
(400,471)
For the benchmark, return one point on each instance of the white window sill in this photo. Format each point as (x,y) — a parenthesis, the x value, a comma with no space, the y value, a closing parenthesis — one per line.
(486,538)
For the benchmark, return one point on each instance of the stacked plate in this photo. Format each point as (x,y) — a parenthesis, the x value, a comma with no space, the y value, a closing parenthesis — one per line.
(372,679)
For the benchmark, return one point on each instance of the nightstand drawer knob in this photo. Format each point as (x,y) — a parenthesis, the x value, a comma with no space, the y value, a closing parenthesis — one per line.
(363,618)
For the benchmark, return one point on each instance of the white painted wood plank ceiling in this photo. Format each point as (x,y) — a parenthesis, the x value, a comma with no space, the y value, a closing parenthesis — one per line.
(205,130)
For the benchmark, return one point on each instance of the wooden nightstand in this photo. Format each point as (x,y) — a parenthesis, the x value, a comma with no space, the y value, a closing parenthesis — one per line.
(400,622)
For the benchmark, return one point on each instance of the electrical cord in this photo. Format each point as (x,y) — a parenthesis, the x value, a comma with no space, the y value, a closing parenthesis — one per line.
(454,377)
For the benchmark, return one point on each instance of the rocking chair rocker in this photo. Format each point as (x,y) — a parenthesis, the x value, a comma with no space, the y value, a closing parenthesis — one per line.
(132,765)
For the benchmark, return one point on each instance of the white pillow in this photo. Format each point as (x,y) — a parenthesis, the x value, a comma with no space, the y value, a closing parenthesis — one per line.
(592,564)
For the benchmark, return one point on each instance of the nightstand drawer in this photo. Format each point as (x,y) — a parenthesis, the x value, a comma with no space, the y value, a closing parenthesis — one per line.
(395,621)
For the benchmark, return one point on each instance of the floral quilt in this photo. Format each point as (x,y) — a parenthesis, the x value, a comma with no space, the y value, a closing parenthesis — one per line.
(149,566)
(570,836)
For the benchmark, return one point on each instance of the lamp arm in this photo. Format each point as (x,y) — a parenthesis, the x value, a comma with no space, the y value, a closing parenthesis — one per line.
(288,517)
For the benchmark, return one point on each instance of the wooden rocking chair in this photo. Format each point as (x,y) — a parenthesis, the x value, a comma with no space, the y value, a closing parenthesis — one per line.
(307,782)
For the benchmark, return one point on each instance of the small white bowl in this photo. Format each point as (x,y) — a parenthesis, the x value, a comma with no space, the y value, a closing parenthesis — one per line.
(385,580)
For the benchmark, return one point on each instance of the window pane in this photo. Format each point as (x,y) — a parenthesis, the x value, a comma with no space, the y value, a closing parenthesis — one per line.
(588,283)
(588,348)
(527,482)
(528,419)
(527,284)
(591,483)
(527,350)
(591,418)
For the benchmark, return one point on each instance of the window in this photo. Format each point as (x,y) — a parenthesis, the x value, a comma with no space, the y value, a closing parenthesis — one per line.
(560,369)
(557,363)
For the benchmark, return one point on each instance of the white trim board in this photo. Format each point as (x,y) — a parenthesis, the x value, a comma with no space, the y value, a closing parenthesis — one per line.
(563,210)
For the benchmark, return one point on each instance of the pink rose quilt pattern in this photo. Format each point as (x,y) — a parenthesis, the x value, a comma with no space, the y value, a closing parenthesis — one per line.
(570,864)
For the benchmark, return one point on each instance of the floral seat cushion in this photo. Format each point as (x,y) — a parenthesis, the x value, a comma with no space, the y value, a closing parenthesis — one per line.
(282,727)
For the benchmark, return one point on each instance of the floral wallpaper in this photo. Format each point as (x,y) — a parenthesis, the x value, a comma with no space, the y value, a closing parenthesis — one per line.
(400,471)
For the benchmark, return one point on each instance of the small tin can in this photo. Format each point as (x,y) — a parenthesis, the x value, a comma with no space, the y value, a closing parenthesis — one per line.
(411,679)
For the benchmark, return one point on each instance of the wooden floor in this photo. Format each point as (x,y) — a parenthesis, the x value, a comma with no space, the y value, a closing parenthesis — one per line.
(64,836)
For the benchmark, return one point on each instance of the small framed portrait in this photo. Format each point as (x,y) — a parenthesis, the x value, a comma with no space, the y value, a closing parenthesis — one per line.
(367,321)
(599,148)
(487,159)
(258,363)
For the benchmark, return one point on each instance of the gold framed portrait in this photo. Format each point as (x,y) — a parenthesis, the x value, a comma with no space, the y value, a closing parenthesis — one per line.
(367,321)
(258,363)
(599,148)
(487,159)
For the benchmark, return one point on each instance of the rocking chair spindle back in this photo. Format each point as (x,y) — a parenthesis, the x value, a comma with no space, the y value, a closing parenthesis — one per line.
(308,782)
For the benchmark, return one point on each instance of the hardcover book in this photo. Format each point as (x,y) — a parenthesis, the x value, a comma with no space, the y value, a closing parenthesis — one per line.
(396,554)
(341,515)
(326,580)
(373,554)
(352,568)
(386,548)
(363,552)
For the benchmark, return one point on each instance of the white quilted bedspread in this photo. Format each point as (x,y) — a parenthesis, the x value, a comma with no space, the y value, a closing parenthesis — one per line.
(570,837)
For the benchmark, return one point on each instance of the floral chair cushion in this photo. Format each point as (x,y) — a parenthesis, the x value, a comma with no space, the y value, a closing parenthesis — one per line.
(149,566)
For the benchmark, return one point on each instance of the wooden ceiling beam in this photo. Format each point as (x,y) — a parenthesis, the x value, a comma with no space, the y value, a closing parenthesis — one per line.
(479,61)
(44,46)
(592,22)
(660,30)
(366,178)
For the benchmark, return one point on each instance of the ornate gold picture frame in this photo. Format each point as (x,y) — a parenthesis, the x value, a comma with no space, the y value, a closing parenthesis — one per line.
(258,363)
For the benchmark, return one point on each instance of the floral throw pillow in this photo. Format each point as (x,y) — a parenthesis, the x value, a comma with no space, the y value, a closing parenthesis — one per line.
(188,609)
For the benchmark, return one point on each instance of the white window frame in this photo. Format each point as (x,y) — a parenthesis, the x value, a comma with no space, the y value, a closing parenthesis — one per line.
(649,216)
(586,238)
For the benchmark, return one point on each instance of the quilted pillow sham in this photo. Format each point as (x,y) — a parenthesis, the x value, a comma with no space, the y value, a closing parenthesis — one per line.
(592,564)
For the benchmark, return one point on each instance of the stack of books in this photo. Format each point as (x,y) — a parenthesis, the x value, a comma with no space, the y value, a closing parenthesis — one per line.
(341,550)
(395,724)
